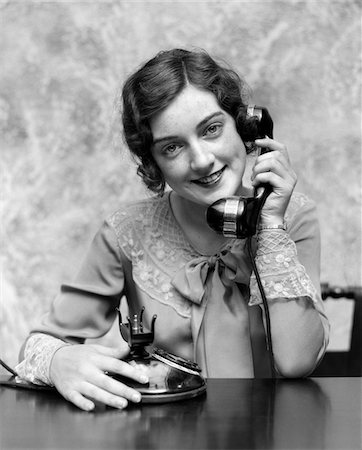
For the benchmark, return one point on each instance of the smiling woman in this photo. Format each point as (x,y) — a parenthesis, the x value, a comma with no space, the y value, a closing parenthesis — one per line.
(198,149)
(185,120)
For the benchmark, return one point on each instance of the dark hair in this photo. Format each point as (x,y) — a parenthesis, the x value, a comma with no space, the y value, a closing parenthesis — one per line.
(156,84)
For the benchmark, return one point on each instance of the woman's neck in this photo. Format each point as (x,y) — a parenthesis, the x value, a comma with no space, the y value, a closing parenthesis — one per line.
(191,217)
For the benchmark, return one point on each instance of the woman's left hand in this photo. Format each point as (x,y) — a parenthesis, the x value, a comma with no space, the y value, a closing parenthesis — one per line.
(274,168)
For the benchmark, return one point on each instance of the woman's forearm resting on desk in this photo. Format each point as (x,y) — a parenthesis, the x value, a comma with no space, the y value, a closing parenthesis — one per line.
(299,326)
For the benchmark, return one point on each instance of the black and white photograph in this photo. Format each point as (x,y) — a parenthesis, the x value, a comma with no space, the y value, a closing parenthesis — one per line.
(180,211)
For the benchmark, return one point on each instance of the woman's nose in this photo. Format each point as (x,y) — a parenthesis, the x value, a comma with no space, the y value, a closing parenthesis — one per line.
(201,157)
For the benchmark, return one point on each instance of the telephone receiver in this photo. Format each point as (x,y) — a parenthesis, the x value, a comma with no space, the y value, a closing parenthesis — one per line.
(237,217)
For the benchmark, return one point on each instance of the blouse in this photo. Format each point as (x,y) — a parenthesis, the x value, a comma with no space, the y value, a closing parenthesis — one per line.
(140,255)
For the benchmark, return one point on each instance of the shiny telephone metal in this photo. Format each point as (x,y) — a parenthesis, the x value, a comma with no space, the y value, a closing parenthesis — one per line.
(171,378)
(237,217)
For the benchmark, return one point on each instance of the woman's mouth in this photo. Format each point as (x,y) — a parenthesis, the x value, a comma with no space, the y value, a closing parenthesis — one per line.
(210,179)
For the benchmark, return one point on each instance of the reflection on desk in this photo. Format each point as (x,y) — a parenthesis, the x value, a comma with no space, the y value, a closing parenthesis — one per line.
(234,414)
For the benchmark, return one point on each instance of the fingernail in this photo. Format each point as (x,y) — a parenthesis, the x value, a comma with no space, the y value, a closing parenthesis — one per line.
(143,378)
(136,398)
(121,404)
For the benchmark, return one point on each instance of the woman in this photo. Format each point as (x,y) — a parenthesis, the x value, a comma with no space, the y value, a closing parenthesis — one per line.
(185,121)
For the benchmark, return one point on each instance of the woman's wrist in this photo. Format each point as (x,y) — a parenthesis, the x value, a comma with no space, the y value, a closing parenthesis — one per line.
(271,223)
(272,226)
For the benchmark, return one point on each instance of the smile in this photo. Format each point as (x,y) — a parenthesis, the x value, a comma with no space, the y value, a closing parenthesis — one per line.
(210,179)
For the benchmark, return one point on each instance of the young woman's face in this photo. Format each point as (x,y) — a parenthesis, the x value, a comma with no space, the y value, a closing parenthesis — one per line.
(197,147)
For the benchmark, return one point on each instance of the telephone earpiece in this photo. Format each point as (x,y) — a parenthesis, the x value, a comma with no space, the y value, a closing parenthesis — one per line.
(237,217)
(264,123)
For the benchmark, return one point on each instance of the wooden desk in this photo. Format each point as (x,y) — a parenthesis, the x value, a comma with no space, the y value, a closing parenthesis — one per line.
(320,413)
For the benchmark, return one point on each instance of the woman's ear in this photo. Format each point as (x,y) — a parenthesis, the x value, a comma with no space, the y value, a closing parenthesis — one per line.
(251,148)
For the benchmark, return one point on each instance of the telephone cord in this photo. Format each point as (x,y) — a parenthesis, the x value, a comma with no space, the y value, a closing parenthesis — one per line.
(266,310)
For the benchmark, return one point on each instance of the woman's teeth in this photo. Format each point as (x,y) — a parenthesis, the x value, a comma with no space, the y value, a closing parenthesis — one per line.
(211,179)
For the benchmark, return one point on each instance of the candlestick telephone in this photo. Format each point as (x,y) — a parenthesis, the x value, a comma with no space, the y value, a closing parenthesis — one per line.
(237,217)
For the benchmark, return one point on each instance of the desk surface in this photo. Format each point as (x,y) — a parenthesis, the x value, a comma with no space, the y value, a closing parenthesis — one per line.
(323,413)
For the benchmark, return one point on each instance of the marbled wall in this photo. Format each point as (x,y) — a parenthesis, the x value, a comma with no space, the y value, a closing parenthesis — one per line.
(64,166)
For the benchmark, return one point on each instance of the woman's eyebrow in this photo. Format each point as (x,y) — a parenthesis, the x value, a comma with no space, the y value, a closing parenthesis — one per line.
(164,139)
(209,117)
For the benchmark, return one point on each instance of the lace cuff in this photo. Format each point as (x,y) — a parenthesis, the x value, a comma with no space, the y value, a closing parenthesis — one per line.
(281,273)
(39,351)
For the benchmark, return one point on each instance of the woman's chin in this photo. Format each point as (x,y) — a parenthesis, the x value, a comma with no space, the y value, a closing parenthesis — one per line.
(206,196)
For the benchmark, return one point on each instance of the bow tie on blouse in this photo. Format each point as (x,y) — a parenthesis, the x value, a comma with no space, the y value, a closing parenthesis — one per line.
(231,265)
(218,286)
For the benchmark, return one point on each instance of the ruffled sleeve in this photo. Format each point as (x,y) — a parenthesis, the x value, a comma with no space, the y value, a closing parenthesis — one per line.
(289,262)
(38,354)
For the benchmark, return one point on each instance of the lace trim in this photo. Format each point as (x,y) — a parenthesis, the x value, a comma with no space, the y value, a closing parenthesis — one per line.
(151,239)
(281,273)
(39,351)
(148,236)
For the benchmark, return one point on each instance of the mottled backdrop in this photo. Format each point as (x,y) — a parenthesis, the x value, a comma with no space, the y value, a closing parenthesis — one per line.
(64,166)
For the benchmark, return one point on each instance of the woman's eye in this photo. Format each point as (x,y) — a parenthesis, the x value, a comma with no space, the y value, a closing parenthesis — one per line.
(171,149)
(213,129)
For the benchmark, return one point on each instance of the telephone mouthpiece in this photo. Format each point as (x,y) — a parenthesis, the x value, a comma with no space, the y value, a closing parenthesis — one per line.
(223,216)
(215,215)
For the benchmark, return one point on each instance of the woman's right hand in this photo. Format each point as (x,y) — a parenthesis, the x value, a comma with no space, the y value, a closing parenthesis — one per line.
(79,372)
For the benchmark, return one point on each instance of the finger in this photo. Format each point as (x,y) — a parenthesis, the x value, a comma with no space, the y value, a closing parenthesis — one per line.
(280,184)
(100,395)
(276,156)
(269,165)
(267,178)
(270,143)
(273,146)
(117,388)
(123,368)
(78,400)
(274,165)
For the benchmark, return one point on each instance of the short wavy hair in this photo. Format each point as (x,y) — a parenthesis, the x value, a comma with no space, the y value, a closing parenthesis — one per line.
(158,82)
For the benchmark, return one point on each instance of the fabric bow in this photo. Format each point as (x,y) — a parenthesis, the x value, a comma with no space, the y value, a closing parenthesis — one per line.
(218,287)
(229,266)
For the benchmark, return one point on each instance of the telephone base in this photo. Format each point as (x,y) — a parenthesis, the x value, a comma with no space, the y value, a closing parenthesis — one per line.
(170,378)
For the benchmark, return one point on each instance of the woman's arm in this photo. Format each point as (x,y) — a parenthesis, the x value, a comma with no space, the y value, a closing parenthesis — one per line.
(288,263)
(84,309)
